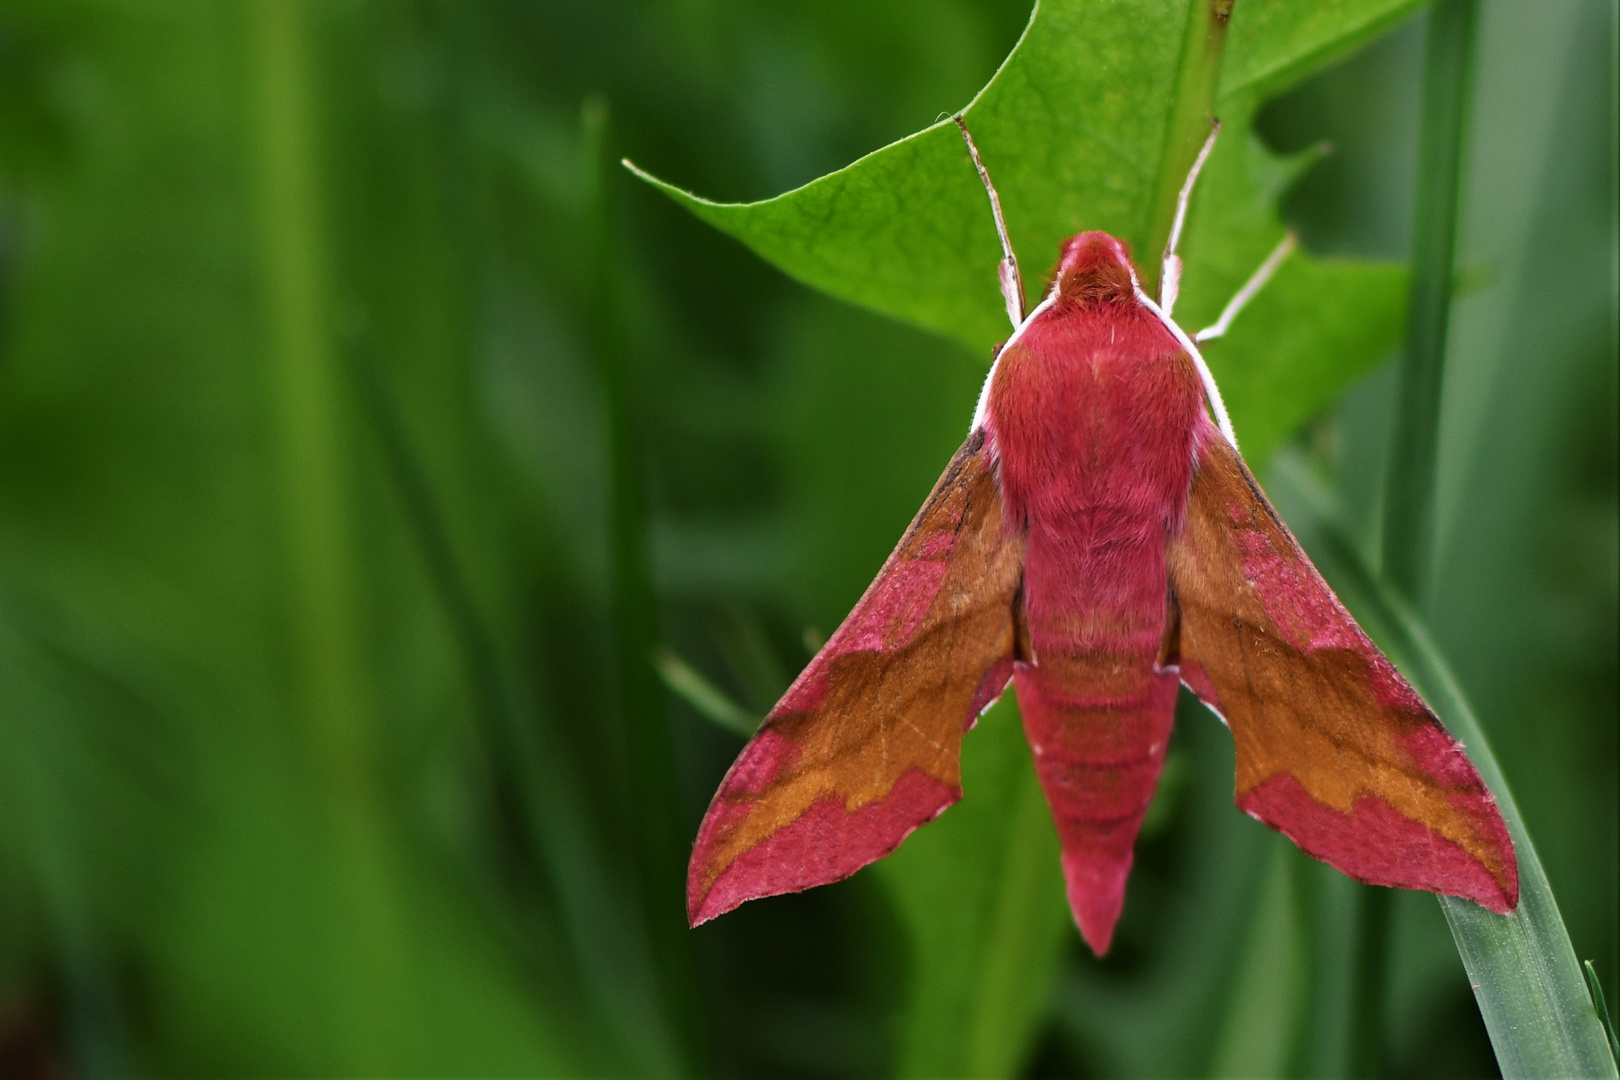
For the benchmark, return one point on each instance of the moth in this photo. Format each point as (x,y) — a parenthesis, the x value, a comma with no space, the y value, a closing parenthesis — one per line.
(1098,542)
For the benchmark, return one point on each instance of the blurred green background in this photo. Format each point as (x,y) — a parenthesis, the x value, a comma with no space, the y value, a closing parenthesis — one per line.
(320,753)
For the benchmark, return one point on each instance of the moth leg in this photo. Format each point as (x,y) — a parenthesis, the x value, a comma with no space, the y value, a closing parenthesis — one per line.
(1012,286)
(1256,282)
(1170,275)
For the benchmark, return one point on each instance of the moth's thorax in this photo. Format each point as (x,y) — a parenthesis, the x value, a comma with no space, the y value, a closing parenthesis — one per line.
(1094,404)
(1092,411)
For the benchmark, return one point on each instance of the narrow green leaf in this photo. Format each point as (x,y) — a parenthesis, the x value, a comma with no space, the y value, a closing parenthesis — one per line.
(1409,481)
(711,702)
(648,740)
(1601,1005)
(1408,540)
(1522,966)
(307,408)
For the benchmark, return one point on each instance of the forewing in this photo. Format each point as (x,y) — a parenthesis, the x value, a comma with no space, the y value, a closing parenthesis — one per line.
(1334,748)
(864,747)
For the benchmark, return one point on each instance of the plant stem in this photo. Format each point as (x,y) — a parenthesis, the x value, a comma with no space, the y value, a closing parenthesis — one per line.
(1409,483)
(307,390)
(309,426)
(649,740)
(1190,117)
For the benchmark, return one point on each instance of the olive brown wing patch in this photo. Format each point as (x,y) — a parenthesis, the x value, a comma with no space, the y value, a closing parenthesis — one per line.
(1334,749)
(865,745)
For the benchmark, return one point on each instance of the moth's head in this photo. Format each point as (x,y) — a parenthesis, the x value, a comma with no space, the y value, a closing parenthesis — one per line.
(1095,269)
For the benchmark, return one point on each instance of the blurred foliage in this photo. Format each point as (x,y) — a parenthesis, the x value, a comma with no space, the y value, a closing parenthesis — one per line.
(313,740)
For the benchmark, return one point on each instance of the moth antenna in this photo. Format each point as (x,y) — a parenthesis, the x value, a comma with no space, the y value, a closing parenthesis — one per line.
(1256,282)
(1170,275)
(1012,286)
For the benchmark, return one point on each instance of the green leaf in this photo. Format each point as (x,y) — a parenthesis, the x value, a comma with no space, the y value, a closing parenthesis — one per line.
(1073,129)
(1522,966)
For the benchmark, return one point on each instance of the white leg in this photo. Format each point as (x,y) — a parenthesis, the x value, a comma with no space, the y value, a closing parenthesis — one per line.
(1256,282)
(1170,275)
(1012,286)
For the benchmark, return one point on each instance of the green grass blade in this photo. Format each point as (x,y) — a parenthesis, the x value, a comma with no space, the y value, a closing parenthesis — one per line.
(710,702)
(1601,1004)
(1521,966)
(634,608)
(1409,495)
(1408,541)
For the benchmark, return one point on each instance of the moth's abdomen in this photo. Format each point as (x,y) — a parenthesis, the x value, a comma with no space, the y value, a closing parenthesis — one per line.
(1097,709)
(1098,724)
